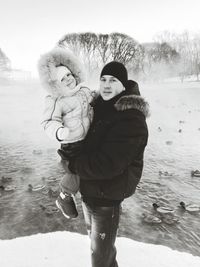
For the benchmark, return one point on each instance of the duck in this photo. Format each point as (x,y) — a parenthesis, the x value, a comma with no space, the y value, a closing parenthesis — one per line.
(51,179)
(162,209)
(35,188)
(52,193)
(37,151)
(5,179)
(49,210)
(10,188)
(169,219)
(195,173)
(42,207)
(169,142)
(190,207)
(149,218)
(166,173)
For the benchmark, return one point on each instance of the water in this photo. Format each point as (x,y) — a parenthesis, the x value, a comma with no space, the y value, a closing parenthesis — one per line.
(28,157)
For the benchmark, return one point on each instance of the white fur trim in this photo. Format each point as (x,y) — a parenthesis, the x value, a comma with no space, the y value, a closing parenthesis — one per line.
(47,69)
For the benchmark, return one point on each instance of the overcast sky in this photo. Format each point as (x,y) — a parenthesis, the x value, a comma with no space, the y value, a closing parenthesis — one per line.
(29,28)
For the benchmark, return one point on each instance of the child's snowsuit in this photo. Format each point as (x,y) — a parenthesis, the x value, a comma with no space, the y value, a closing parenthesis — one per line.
(66,108)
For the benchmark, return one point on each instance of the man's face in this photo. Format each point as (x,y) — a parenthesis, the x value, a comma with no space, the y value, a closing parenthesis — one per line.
(110,87)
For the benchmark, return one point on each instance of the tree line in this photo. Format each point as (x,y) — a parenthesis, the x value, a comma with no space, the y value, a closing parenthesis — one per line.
(169,55)
(96,50)
(187,46)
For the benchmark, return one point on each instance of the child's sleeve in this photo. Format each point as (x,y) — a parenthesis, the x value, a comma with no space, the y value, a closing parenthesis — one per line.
(52,117)
(91,95)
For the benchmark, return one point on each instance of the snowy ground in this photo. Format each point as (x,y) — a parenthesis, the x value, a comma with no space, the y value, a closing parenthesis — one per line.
(70,249)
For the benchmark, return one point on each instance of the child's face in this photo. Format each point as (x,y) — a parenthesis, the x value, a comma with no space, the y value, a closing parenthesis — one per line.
(69,80)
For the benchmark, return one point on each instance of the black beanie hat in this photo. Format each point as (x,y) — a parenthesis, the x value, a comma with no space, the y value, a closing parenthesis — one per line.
(117,70)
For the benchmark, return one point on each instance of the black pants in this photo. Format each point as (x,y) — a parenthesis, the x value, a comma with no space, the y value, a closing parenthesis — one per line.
(102,224)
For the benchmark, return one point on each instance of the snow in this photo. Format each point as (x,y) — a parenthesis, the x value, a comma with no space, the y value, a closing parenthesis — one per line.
(72,249)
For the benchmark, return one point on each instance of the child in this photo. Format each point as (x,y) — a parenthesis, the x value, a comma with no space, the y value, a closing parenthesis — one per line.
(67,115)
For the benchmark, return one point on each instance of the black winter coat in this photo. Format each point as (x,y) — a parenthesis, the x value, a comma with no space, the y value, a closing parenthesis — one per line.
(110,165)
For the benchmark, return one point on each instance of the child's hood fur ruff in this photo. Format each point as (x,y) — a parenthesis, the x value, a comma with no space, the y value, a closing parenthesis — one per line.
(47,70)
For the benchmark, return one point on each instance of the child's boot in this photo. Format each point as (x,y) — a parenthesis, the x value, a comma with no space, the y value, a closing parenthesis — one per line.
(66,204)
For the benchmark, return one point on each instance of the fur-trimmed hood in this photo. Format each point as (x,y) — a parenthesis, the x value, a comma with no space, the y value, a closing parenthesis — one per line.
(133,102)
(47,69)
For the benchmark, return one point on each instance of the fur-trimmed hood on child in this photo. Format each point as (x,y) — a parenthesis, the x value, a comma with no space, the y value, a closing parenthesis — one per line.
(67,110)
(47,68)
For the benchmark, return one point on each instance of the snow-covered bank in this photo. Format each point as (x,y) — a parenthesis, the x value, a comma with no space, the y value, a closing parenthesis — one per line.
(71,249)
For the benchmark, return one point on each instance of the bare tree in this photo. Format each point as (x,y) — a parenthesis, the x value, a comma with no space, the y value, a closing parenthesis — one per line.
(122,47)
(103,50)
(181,42)
(88,44)
(195,56)
(72,42)
(163,52)
(160,61)
(97,49)
(188,47)
(5,65)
